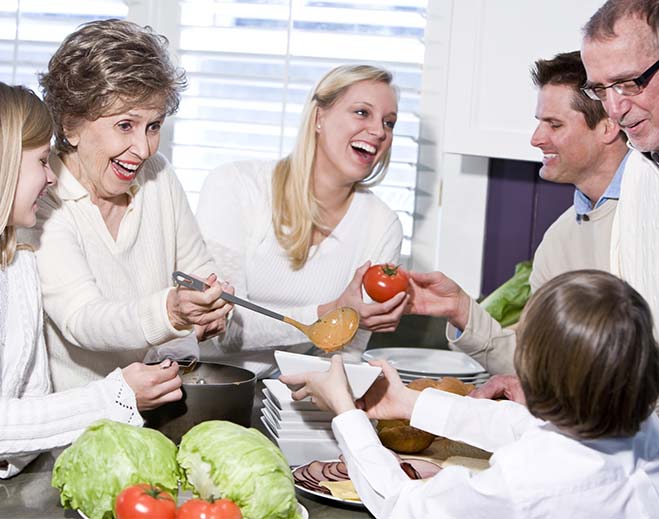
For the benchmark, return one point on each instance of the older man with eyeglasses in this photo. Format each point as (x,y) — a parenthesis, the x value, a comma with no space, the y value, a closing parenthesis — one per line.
(620,51)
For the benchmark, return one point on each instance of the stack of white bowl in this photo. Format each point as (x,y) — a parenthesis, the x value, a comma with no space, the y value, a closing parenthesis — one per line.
(301,430)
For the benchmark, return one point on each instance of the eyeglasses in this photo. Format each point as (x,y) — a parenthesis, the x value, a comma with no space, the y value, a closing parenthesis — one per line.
(624,87)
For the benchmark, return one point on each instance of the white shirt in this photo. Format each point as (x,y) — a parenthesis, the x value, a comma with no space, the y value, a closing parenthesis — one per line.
(536,471)
(235,217)
(31,420)
(106,298)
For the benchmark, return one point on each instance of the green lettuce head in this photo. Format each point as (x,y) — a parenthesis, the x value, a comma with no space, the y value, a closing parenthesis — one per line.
(108,457)
(222,459)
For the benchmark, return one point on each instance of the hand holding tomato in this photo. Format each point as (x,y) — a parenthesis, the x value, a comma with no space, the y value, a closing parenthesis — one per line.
(200,509)
(375,317)
(382,282)
(144,501)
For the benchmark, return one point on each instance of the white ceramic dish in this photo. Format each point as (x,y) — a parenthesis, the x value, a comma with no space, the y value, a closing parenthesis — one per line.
(298,416)
(360,376)
(299,452)
(280,395)
(303,512)
(298,426)
(282,430)
(426,361)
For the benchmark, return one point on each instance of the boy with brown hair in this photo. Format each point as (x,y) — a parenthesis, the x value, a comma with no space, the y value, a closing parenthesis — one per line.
(587,446)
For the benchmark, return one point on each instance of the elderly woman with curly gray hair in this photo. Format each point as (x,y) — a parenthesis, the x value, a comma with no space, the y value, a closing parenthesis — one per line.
(118,223)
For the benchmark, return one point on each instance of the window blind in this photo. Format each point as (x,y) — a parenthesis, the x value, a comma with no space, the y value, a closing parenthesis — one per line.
(251,64)
(31,31)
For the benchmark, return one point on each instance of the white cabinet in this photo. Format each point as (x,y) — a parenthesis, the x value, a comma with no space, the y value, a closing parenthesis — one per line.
(493,43)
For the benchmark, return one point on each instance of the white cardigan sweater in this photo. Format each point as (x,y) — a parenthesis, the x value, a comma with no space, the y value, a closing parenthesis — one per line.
(31,420)
(105,298)
(235,216)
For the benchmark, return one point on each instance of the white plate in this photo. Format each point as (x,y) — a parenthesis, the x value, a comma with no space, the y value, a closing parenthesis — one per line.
(280,395)
(298,416)
(299,452)
(282,431)
(426,361)
(312,493)
(360,376)
(300,508)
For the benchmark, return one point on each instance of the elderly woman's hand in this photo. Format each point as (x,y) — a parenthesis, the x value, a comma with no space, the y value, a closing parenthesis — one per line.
(153,385)
(375,317)
(328,390)
(205,310)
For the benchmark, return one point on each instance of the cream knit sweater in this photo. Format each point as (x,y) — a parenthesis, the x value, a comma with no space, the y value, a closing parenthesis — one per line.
(31,420)
(106,299)
(567,245)
(255,264)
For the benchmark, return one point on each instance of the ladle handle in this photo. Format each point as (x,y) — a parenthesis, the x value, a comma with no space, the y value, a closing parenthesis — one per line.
(247,304)
(187,281)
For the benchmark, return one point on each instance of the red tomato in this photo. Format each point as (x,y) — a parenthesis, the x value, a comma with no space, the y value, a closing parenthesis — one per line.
(144,501)
(200,509)
(382,282)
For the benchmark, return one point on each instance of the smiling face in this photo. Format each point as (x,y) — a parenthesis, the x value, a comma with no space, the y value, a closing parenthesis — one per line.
(34,177)
(110,150)
(627,55)
(570,148)
(355,131)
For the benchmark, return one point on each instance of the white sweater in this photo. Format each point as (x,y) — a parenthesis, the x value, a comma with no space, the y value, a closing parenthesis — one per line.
(536,471)
(31,420)
(106,299)
(635,234)
(235,216)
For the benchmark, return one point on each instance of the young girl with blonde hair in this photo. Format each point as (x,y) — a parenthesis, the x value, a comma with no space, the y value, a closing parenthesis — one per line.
(31,419)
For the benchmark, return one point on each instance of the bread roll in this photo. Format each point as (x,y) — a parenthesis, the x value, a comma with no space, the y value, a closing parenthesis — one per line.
(400,436)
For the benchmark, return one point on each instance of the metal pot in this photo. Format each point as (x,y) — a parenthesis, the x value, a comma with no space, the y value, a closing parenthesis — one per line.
(211,391)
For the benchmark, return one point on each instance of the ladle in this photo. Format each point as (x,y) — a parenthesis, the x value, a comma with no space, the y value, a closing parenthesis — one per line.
(331,332)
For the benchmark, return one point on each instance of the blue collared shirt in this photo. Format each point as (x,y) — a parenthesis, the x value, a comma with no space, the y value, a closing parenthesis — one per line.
(583,205)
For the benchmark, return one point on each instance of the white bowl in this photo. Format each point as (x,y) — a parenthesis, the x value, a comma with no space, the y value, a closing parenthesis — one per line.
(280,395)
(282,431)
(299,452)
(360,376)
(298,416)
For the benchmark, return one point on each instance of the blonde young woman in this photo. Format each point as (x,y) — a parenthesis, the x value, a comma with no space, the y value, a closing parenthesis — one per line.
(31,420)
(297,235)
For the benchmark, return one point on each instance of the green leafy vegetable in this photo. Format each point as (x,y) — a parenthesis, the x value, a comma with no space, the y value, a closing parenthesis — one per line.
(222,459)
(108,457)
(506,303)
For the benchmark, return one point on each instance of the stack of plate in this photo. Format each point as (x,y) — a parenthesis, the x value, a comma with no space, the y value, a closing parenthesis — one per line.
(413,363)
(301,430)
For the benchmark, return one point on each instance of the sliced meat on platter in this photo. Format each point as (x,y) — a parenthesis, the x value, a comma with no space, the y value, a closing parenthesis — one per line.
(310,475)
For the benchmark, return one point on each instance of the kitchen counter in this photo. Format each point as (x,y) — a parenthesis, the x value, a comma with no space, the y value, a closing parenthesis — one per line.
(30,496)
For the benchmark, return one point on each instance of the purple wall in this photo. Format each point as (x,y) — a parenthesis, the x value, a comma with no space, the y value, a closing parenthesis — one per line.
(520,208)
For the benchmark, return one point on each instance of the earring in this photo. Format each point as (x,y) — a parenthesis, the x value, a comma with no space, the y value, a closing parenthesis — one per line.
(318,126)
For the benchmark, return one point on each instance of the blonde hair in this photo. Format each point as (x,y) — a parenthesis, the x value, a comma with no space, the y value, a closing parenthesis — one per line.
(25,123)
(295,209)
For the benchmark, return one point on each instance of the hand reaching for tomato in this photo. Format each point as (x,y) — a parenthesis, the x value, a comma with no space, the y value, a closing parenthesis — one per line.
(375,317)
